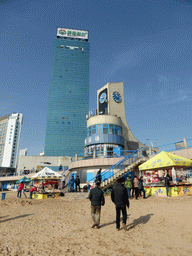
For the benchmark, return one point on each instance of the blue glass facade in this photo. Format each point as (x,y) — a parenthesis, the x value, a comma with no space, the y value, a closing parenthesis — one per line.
(68,98)
(104,134)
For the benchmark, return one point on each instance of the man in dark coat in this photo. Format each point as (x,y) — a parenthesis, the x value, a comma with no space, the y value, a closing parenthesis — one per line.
(167,184)
(98,176)
(141,187)
(97,199)
(77,182)
(119,197)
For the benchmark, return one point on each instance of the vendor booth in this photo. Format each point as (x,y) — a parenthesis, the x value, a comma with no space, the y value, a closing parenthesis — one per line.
(47,182)
(155,169)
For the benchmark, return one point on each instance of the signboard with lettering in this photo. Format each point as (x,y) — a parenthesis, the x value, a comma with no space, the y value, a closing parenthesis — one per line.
(179,145)
(73,33)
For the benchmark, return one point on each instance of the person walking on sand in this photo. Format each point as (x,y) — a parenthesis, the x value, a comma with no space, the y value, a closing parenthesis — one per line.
(119,197)
(167,184)
(20,188)
(98,176)
(72,183)
(136,190)
(128,185)
(77,183)
(32,190)
(141,187)
(97,199)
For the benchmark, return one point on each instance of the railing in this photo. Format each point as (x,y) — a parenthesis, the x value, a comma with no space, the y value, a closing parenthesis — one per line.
(171,146)
(101,154)
(109,172)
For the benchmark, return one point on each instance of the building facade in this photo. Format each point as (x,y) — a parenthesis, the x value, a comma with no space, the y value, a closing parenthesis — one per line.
(10,129)
(109,138)
(32,164)
(107,129)
(69,94)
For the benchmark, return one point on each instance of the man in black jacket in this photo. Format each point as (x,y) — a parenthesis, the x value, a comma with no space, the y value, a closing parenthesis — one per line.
(119,197)
(77,183)
(141,187)
(167,184)
(97,199)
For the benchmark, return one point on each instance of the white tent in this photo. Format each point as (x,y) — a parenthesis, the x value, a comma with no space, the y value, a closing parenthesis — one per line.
(46,173)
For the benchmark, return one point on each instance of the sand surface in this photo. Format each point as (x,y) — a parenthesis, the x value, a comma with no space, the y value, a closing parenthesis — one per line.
(156,226)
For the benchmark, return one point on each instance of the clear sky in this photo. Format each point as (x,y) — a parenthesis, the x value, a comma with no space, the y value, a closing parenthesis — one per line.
(147,44)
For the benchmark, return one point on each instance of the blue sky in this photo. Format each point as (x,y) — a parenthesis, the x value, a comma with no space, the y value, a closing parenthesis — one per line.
(145,44)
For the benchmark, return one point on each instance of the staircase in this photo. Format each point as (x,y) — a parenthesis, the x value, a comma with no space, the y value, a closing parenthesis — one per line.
(109,182)
(116,171)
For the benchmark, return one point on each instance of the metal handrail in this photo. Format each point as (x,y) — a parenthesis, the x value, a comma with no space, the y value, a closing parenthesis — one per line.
(120,163)
(100,154)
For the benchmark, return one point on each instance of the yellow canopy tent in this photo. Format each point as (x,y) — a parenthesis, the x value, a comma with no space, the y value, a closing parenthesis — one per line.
(165,159)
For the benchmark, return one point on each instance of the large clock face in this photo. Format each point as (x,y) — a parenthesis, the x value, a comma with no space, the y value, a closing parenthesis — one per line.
(103,97)
(117,97)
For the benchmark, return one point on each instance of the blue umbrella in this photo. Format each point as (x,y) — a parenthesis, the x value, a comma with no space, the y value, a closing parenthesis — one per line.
(24,179)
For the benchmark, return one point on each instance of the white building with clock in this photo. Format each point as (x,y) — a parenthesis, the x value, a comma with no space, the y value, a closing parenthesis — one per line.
(108,134)
(107,129)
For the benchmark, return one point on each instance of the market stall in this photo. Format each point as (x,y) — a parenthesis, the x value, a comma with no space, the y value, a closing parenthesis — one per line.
(46,182)
(155,169)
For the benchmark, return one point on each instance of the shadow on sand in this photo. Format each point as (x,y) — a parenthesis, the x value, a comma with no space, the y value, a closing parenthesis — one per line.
(140,220)
(107,224)
(17,217)
(4,216)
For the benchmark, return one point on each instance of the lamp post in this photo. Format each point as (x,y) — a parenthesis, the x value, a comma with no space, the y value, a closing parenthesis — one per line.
(150,142)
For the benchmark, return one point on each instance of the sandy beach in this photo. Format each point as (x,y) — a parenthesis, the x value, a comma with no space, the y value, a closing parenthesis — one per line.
(62,226)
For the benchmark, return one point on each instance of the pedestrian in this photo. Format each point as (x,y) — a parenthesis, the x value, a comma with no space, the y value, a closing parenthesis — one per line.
(97,199)
(136,190)
(42,185)
(20,188)
(98,176)
(128,185)
(132,190)
(72,183)
(77,182)
(32,190)
(119,197)
(141,187)
(64,178)
(167,184)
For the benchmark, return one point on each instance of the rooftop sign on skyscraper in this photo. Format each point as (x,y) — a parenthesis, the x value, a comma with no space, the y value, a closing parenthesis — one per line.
(73,33)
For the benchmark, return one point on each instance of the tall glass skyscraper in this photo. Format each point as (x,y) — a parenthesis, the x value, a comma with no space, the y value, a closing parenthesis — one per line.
(69,94)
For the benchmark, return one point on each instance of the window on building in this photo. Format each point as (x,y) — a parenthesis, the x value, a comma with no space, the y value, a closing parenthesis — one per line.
(93,129)
(104,129)
(111,129)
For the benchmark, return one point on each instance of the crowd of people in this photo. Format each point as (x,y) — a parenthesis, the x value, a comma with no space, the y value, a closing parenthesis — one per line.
(135,187)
